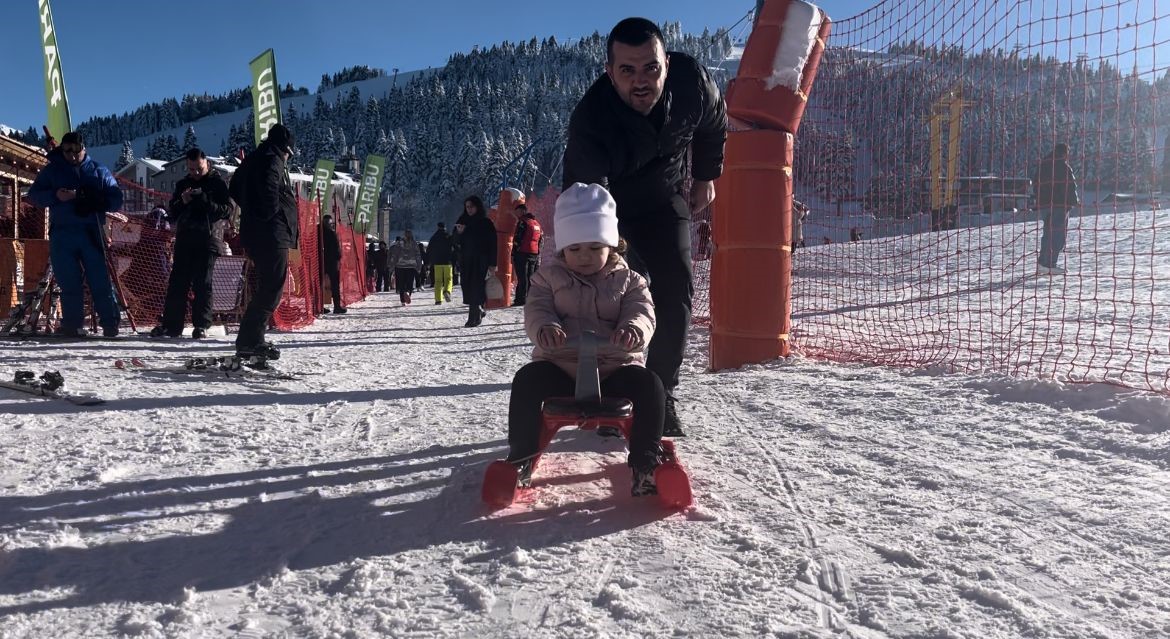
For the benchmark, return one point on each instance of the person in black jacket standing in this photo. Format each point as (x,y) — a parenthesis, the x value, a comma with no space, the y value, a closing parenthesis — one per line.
(1055,186)
(200,200)
(269,227)
(630,132)
(478,256)
(440,257)
(331,260)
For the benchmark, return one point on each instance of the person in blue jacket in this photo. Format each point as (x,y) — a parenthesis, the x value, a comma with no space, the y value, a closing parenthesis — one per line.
(78,192)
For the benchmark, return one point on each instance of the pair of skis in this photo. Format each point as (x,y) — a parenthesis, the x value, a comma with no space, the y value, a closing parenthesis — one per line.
(219,366)
(26,316)
(50,384)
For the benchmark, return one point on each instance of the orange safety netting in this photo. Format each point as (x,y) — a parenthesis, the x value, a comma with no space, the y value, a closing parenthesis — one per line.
(918,154)
(141,253)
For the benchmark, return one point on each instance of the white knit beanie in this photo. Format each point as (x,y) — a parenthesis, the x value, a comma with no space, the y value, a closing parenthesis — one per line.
(585,213)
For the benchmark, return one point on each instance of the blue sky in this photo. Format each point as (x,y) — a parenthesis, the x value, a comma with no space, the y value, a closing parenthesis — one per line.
(118,54)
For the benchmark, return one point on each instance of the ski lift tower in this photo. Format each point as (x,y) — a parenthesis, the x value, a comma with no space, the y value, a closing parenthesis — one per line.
(947,109)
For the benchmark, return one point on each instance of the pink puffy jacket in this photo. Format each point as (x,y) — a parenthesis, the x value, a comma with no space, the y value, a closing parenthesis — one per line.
(615,297)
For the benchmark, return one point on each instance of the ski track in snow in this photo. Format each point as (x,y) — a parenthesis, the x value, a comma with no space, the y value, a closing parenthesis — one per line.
(831,500)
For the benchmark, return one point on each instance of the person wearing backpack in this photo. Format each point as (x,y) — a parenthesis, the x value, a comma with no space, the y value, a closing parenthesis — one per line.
(526,245)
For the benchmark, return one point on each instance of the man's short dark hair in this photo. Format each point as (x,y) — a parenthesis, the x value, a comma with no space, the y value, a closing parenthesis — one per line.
(73,137)
(442,226)
(1060,150)
(195,153)
(632,32)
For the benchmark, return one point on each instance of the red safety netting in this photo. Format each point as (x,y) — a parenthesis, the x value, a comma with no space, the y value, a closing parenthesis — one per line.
(917,155)
(141,253)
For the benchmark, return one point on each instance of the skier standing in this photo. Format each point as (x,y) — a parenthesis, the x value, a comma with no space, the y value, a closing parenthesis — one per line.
(269,228)
(78,193)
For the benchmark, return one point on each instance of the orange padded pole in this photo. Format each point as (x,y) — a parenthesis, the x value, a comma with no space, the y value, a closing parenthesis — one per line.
(751,269)
(503,215)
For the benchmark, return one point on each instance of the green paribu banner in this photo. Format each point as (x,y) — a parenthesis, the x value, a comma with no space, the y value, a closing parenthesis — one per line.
(265,94)
(54,82)
(368,191)
(323,185)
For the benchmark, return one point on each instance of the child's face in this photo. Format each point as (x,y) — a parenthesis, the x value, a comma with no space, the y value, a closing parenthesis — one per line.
(586,258)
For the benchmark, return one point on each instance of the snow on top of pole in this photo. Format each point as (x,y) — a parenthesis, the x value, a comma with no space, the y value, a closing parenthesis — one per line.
(802,23)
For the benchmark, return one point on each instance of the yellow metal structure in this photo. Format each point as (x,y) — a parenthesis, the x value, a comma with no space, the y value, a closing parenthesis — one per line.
(949,110)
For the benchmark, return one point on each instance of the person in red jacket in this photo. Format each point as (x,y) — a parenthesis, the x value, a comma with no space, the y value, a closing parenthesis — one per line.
(527,243)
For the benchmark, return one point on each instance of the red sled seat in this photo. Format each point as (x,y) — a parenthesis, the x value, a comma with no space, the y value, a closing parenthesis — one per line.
(588,410)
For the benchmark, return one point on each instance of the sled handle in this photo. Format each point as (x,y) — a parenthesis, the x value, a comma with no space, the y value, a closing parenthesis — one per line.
(588,381)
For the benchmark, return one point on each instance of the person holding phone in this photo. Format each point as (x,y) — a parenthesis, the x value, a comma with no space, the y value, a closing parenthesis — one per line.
(199,204)
(78,193)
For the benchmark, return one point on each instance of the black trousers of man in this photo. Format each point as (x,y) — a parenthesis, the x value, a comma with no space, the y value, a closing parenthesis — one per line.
(270,268)
(523,266)
(192,271)
(540,380)
(333,272)
(383,281)
(660,249)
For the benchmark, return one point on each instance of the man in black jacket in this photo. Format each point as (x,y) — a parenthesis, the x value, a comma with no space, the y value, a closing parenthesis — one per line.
(631,132)
(200,201)
(268,229)
(441,257)
(1055,186)
(331,260)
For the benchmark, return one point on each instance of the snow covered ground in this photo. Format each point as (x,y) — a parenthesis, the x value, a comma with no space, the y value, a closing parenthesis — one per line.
(832,500)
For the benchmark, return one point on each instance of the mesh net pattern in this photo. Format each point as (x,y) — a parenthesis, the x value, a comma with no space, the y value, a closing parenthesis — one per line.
(926,160)
(141,250)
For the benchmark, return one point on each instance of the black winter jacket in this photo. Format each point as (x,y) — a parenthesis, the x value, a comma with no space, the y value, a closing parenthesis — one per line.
(439,249)
(268,203)
(195,223)
(1055,184)
(478,241)
(331,244)
(644,167)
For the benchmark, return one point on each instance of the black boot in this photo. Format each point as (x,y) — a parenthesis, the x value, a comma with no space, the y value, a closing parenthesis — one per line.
(670,424)
(474,316)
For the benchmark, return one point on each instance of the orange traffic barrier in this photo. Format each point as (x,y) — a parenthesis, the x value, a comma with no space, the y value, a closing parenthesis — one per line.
(503,215)
(751,269)
(779,65)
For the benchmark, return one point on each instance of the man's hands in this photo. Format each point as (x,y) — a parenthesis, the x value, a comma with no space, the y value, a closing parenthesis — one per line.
(190,194)
(551,336)
(702,195)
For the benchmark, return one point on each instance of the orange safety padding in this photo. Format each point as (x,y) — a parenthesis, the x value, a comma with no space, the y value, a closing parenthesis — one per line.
(11,255)
(748,97)
(504,217)
(751,269)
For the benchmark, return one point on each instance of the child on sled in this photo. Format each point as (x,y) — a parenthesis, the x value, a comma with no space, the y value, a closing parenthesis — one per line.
(588,287)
